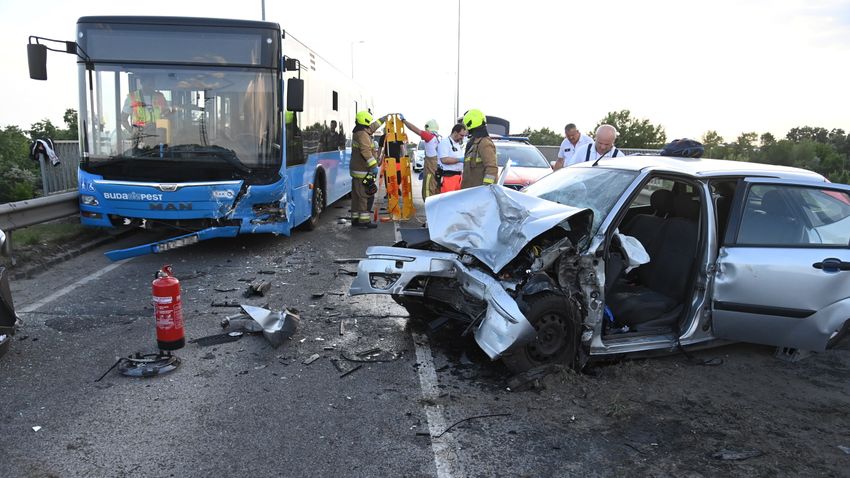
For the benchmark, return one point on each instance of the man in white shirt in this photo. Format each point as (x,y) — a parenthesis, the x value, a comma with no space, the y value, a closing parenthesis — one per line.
(603,147)
(450,152)
(573,140)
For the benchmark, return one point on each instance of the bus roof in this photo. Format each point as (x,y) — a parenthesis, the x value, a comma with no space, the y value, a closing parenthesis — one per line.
(194,21)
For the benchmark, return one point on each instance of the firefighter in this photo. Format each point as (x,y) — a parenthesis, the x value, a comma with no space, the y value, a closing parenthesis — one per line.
(479,163)
(364,169)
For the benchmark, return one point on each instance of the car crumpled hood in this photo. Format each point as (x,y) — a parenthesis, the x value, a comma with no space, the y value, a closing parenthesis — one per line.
(493,223)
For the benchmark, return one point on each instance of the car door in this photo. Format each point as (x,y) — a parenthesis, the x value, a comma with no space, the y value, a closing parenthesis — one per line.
(783,271)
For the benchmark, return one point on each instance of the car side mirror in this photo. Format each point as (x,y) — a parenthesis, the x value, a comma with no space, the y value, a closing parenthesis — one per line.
(295,94)
(37,60)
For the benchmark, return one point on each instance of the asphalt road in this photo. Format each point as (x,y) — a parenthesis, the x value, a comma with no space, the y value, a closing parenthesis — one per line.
(247,409)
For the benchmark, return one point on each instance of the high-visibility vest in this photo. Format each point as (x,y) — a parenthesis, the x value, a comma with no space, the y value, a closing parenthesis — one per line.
(143,113)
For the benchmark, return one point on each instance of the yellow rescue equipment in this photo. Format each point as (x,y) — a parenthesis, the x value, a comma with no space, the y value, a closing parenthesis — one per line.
(395,173)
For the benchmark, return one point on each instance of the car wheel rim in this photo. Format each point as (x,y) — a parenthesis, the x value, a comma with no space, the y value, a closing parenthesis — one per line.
(551,338)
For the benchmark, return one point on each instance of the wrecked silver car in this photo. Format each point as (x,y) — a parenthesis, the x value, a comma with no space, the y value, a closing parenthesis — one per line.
(629,255)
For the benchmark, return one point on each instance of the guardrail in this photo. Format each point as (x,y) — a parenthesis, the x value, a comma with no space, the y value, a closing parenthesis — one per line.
(15,215)
(551,152)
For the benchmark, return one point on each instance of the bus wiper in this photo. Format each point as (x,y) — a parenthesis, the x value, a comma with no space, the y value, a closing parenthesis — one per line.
(224,154)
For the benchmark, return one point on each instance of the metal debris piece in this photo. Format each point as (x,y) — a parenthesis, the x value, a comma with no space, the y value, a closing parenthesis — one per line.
(258,287)
(277,326)
(217,339)
(530,379)
(36,428)
(267,272)
(317,295)
(733,455)
(311,359)
(845,449)
(342,327)
(356,367)
(148,365)
(226,303)
(338,365)
(346,272)
(241,322)
(791,355)
(225,289)
(347,260)
(373,350)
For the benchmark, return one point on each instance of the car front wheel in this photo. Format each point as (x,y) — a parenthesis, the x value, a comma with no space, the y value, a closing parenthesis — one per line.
(556,320)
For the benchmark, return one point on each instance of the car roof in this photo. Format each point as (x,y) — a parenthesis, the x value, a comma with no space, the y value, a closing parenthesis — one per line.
(703,167)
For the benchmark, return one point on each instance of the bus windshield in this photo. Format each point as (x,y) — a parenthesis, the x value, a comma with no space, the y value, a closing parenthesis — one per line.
(224,118)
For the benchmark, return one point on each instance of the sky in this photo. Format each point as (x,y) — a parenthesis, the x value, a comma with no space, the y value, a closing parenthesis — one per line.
(727,65)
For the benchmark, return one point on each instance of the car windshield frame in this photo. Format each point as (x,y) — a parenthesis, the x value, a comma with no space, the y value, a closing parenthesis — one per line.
(597,189)
(528,157)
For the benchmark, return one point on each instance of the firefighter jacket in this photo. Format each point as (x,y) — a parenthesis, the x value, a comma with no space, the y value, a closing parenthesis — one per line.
(362,155)
(479,163)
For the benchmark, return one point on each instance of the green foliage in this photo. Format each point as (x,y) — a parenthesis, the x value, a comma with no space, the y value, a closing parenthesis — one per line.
(46,129)
(816,134)
(18,175)
(714,145)
(543,136)
(634,132)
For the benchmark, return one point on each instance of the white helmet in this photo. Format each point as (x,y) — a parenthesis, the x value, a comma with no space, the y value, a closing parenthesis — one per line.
(432,126)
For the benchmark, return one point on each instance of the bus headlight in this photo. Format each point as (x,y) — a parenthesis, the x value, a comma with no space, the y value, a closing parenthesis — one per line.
(87,200)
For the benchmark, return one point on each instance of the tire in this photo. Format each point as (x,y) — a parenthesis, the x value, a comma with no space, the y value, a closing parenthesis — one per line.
(556,321)
(317,205)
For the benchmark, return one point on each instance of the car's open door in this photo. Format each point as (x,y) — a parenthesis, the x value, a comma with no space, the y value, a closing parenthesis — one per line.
(783,270)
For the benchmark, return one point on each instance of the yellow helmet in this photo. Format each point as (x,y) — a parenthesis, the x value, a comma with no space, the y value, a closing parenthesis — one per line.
(473,119)
(363,118)
(431,125)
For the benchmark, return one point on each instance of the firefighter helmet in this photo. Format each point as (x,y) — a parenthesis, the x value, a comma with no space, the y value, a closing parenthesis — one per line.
(431,125)
(364,118)
(473,119)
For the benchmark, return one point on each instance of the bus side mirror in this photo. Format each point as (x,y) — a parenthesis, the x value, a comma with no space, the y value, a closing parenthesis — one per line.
(295,94)
(37,59)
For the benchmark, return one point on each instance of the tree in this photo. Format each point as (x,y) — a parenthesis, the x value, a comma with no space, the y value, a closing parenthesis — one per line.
(70,119)
(744,146)
(634,132)
(18,175)
(42,129)
(714,145)
(767,139)
(542,137)
(816,134)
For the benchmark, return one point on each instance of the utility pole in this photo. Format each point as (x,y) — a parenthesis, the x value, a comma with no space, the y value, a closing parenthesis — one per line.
(457,86)
(263,6)
(352,55)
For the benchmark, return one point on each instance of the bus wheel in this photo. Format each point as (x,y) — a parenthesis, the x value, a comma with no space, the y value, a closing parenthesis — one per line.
(318,205)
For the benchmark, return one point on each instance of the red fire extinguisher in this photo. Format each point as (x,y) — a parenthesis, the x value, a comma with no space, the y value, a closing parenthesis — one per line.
(168,310)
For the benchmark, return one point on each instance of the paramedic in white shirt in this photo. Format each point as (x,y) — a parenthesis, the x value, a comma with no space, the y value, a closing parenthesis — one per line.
(573,140)
(450,152)
(603,147)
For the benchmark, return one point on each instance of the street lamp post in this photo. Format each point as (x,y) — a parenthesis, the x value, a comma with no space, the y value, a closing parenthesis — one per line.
(352,55)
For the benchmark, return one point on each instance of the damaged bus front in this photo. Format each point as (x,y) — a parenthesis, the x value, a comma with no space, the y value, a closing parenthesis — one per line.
(507,264)
(195,124)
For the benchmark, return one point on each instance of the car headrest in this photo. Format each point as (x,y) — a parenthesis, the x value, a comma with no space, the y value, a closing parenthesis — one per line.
(774,204)
(685,206)
(662,202)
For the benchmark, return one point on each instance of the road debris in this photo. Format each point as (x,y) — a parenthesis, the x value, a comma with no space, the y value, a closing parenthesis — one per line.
(373,355)
(492,415)
(225,289)
(845,449)
(734,455)
(267,272)
(226,303)
(353,369)
(258,287)
(341,328)
(277,326)
(344,369)
(317,295)
(531,379)
(311,359)
(346,272)
(36,428)
(217,339)
(347,260)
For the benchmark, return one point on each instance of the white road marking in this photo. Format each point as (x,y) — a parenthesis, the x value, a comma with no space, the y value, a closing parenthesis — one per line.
(59,293)
(444,448)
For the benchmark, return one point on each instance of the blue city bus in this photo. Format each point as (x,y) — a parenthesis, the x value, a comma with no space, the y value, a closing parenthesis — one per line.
(213,127)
